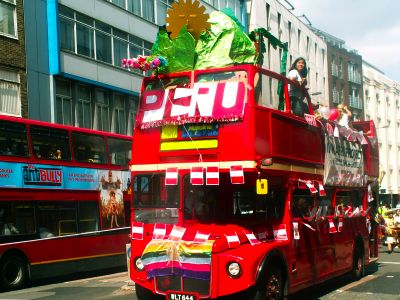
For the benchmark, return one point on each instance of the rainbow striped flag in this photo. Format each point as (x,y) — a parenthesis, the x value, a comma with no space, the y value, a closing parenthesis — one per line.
(182,258)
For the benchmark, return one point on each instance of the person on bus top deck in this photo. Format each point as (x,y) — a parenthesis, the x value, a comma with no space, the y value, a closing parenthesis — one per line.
(298,72)
(344,115)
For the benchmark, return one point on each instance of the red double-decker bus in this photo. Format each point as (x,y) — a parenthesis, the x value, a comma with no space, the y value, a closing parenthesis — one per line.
(64,204)
(232,195)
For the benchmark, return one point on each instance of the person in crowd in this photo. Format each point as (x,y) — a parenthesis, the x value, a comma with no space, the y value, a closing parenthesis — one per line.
(298,72)
(396,218)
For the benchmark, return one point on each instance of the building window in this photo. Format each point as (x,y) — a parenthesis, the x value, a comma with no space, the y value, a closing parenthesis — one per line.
(10,99)
(8,18)
(83,106)
(268,13)
(102,111)
(162,7)
(119,119)
(67,29)
(64,102)
(131,114)
(85,36)
(299,40)
(103,42)
(93,107)
(290,33)
(120,46)
(279,25)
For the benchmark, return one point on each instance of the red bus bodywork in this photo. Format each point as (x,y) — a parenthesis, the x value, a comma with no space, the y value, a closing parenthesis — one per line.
(268,144)
(79,241)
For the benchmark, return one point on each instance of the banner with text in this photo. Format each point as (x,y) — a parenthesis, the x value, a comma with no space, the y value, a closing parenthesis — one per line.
(19,175)
(344,163)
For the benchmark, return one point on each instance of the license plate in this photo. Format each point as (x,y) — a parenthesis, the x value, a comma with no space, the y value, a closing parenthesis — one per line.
(182,296)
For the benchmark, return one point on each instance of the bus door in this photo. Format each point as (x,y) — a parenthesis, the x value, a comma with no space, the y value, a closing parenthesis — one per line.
(326,225)
(347,201)
(305,237)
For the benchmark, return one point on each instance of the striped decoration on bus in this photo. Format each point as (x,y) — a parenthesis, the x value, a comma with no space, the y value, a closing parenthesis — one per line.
(162,258)
(280,232)
(212,176)
(177,233)
(322,192)
(237,175)
(160,230)
(340,225)
(201,237)
(233,240)
(171,176)
(137,231)
(251,237)
(332,228)
(196,176)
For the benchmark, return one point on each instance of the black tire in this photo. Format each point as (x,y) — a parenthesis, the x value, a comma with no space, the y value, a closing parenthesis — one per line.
(144,294)
(358,269)
(13,272)
(272,286)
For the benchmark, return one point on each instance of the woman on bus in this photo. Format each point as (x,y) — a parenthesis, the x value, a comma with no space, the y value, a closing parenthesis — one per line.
(298,72)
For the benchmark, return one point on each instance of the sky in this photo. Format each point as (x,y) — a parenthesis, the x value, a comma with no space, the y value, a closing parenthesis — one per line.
(370,26)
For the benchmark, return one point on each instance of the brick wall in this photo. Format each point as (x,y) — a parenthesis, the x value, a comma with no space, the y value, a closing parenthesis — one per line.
(12,56)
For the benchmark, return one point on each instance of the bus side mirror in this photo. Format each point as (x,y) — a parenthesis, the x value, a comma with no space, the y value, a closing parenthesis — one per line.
(262,186)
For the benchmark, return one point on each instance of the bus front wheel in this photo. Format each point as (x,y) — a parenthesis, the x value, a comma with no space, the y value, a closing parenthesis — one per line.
(13,272)
(358,264)
(272,285)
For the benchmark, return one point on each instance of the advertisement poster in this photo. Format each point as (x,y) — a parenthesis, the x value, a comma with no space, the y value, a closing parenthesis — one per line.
(111,199)
(344,164)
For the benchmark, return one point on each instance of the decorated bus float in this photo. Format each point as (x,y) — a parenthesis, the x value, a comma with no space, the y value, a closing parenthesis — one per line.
(231,195)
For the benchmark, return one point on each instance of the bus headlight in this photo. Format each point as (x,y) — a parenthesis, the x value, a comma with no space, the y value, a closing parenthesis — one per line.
(138,264)
(234,270)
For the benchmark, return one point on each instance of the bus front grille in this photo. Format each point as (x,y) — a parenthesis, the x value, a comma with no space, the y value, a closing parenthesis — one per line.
(178,283)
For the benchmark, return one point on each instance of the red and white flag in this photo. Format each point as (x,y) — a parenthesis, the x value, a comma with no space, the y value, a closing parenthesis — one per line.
(233,240)
(212,176)
(159,232)
(280,232)
(177,233)
(340,225)
(329,128)
(237,175)
(311,186)
(310,120)
(322,192)
(332,228)
(196,176)
(355,212)
(171,176)
(309,226)
(296,232)
(251,237)
(201,237)
(137,231)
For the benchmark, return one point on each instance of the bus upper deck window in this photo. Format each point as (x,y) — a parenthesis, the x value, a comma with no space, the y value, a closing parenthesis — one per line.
(13,139)
(89,148)
(50,143)
(120,151)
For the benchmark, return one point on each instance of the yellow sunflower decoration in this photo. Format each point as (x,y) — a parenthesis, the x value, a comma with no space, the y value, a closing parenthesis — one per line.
(187,12)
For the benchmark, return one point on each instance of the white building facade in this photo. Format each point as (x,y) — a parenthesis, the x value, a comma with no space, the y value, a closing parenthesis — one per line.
(382,104)
(303,42)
